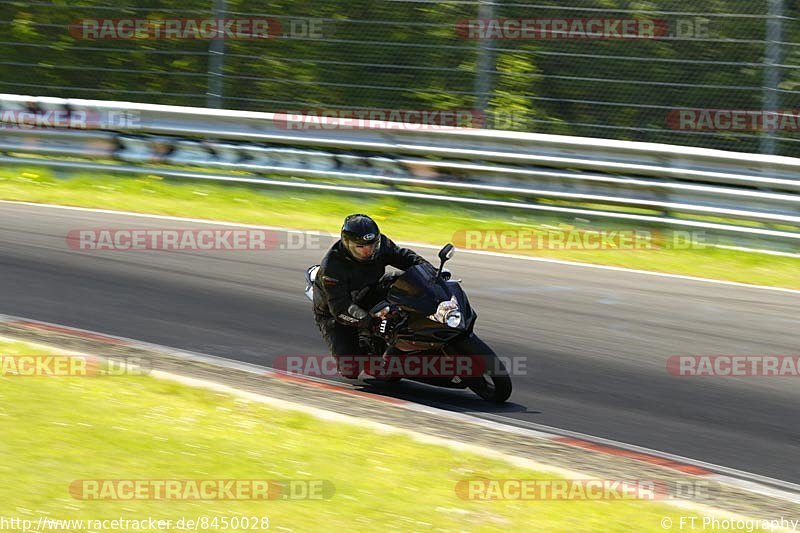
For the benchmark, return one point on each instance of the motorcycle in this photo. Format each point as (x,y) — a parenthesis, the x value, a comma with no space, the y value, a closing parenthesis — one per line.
(426,316)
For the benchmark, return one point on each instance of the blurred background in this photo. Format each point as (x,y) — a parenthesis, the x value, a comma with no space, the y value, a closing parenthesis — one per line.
(720,54)
(598,340)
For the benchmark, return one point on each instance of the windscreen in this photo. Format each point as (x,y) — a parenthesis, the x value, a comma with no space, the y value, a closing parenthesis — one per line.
(419,289)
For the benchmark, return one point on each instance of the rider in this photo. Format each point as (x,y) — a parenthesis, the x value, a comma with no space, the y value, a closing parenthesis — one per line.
(355,262)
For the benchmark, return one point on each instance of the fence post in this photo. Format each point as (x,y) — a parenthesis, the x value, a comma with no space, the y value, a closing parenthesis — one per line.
(216,62)
(484,65)
(772,73)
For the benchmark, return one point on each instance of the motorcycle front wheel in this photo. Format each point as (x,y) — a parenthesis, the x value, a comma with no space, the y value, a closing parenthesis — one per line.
(494,385)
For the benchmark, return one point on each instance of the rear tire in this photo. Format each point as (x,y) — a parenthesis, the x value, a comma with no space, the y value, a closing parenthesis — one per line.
(495,384)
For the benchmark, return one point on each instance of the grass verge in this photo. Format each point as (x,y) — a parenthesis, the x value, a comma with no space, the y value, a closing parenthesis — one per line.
(420,221)
(60,429)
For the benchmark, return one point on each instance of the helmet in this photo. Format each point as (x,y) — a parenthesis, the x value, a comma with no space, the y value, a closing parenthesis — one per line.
(361,238)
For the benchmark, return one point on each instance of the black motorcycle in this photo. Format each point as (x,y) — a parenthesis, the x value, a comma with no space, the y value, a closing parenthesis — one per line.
(425,333)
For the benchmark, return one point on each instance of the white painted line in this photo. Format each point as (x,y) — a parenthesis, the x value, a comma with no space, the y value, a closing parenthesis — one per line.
(51,349)
(725,475)
(611,268)
(755,250)
(414,244)
(757,488)
(720,471)
(334,417)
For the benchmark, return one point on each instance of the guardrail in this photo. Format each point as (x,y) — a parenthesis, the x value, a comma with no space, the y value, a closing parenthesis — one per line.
(744,196)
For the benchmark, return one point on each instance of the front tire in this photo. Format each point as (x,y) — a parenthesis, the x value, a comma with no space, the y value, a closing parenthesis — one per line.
(495,383)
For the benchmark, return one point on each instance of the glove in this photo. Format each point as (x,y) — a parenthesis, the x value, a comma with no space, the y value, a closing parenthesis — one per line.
(365,342)
(390,322)
(364,320)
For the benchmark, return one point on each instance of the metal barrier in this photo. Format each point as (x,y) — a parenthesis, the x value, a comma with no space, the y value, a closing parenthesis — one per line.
(735,194)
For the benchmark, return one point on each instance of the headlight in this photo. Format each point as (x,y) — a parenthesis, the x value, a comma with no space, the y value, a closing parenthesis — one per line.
(448,313)
(453,319)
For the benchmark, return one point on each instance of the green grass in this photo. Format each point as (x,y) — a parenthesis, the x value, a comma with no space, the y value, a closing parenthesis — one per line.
(59,429)
(420,221)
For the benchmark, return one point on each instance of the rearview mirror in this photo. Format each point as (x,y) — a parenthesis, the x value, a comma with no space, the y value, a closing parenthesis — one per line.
(446,252)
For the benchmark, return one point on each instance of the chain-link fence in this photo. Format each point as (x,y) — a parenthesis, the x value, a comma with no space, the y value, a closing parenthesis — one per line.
(699,74)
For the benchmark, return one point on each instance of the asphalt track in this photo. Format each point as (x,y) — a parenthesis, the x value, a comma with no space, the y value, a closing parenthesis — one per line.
(595,342)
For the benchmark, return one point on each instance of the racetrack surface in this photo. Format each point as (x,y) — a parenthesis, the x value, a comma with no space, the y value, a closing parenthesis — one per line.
(595,342)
